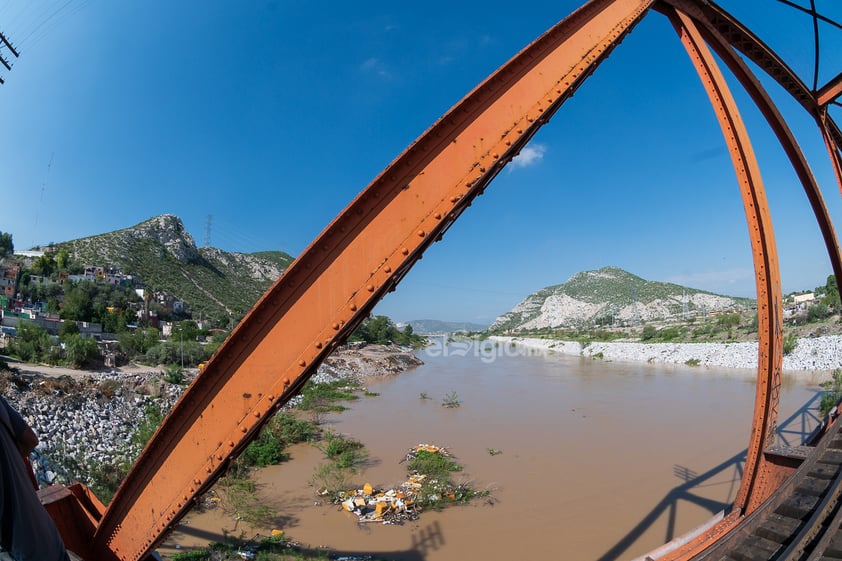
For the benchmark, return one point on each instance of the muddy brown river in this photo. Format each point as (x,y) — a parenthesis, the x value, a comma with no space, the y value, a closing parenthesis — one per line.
(599,460)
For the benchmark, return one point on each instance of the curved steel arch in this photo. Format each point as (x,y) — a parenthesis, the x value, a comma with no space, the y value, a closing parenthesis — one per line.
(373,243)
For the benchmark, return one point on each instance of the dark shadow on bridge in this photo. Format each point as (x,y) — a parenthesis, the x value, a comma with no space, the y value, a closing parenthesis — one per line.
(795,430)
(426,539)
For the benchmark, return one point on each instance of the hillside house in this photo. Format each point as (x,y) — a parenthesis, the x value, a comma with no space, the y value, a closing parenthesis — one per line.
(9,280)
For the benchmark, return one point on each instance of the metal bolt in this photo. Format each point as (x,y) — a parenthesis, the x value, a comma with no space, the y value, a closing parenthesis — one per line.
(421,233)
(302,362)
(405,251)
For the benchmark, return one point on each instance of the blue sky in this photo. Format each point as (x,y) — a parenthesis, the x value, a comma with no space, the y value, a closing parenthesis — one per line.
(271,116)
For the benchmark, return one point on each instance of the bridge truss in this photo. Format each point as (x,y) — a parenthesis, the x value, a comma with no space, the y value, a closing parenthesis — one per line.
(366,250)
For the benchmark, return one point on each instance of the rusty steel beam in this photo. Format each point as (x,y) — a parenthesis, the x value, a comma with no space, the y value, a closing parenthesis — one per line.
(339,278)
(778,124)
(741,38)
(830,91)
(764,252)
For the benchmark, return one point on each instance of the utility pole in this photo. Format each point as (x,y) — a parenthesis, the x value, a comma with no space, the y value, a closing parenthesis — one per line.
(4,42)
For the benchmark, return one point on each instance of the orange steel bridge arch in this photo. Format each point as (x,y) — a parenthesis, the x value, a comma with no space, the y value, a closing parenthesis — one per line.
(373,243)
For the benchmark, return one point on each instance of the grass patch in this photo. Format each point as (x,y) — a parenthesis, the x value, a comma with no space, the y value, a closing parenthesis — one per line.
(322,397)
(692,362)
(283,430)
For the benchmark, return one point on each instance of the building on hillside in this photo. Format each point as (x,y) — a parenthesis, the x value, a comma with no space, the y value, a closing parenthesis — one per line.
(32,254)
(806,298)
(9,280)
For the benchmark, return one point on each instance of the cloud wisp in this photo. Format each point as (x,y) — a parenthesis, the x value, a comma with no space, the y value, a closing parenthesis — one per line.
(529,156)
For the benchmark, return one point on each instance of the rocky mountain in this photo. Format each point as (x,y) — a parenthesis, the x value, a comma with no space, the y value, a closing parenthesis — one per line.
(610,295)
(164,256)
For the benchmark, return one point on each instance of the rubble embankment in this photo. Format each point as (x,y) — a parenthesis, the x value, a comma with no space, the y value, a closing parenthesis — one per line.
(811,354)
(89,416)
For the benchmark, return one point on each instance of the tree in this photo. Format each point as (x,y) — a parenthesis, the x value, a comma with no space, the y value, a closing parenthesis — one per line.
(831,291)
(62,259)
(79,350)
(6,245)
(77,304)
(44,265)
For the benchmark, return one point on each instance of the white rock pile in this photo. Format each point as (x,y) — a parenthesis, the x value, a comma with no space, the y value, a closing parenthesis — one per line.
(89,421)
(812,354)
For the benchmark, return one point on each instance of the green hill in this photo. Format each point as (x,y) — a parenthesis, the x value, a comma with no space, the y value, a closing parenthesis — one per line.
(162,254)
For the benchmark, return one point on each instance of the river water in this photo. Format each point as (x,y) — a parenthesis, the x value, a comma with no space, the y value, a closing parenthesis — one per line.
(599,460)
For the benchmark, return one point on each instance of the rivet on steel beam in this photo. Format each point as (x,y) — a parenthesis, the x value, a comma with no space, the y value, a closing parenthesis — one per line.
(219,456)
(302,362)
(334,325)
(257,414)
(405,251)
(520,131)
(508,143)
(286,382)
(208,469)
(482,170)
(421,233)
(244,429)
(353,307)
(454,199)
(370,288)
(387,269)
(437,216)
(197,481)
(495,156)
(270,397)
(231,443)
(319,345)
(540,110)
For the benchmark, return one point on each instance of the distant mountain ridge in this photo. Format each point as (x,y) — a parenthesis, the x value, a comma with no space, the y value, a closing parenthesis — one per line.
(433,326)
(165,257)
(610,295)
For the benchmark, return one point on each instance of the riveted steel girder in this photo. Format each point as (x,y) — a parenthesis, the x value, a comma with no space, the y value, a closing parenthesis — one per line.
(338,279)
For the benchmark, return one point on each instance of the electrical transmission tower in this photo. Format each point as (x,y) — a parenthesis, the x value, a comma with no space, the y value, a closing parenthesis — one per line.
(3,60)
(208,225)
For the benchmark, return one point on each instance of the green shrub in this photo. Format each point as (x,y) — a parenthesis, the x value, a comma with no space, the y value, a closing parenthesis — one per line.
(174,374)
(435,466)
(451,400)
(790,342)
(346,452)
(692,362)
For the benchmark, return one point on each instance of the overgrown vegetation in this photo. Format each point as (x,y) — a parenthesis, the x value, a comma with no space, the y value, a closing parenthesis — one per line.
(438,487)
(832,393)
(345,456)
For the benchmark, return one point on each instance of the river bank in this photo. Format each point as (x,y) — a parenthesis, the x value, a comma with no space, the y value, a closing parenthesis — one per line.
(84,419)
(812,356)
